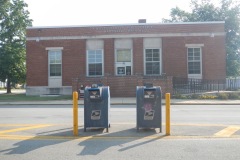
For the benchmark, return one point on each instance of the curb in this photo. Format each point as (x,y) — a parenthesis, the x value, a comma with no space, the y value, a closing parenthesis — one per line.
(117,103)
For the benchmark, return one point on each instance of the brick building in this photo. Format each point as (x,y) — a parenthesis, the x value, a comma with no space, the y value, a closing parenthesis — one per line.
(123,56)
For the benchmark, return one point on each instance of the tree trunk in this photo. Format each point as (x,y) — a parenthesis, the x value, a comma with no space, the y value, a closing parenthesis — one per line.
(8,86)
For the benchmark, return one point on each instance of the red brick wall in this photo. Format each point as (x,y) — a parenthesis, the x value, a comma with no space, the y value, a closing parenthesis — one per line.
(109,56)
(174,54)
(37,64)
(138,64)
(213,56)
(73,60)
(125,86)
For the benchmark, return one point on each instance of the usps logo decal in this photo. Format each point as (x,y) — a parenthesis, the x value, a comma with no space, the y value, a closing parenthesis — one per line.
(96,114)
(149,115)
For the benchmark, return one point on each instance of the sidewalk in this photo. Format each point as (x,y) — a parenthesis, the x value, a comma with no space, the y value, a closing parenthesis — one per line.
(121,101)
(128,101)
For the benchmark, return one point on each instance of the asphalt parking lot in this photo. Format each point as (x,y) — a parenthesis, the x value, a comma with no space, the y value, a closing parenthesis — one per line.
(46,132)
(55,121)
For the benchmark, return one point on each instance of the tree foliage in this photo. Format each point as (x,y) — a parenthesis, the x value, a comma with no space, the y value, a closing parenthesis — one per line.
(228,11)
(14,18)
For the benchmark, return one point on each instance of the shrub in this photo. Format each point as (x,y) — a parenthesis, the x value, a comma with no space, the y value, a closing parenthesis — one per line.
(207,96)
(233,96)
(194,96)
(180,96)
(222,96)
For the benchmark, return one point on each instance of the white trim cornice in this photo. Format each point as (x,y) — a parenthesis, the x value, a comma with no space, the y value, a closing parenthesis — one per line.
(125,36)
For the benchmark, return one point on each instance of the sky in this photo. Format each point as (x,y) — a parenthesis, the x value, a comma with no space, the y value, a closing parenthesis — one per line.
(99,12)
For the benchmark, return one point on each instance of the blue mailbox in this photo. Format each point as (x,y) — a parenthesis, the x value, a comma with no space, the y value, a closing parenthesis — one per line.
(149,107)
(96,107)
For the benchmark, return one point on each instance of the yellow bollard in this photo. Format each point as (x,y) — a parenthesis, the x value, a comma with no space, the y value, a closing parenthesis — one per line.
(167,96)
(75,113)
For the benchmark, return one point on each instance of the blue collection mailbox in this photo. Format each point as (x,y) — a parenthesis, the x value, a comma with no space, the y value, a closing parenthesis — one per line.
(149,109)
(96,107)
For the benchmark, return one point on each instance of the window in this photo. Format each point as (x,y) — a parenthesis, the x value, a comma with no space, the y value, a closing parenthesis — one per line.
(123,61)
(55,63)
(152,62)
(194,61)
(95,62)
(124,55)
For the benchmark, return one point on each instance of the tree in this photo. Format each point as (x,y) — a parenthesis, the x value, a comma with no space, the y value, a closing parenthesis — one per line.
(229,11)
(14,18)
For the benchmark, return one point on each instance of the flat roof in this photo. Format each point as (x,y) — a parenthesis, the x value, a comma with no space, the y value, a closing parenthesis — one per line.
(129,24)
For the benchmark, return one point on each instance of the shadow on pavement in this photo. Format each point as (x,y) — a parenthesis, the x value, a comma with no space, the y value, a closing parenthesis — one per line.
(120,139)
(94,141)
(41,140)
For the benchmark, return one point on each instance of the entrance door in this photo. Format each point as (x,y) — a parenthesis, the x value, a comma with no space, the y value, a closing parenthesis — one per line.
(123,62)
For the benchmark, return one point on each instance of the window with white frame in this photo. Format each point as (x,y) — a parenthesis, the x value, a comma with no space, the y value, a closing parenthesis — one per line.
(194,61)
(55,63)
(123,61)
(95,62)
(152,62)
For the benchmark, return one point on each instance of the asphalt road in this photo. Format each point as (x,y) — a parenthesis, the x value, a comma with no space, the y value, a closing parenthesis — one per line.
(45,132)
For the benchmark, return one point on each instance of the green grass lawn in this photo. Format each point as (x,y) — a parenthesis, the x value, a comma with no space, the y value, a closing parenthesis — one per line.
(23,97)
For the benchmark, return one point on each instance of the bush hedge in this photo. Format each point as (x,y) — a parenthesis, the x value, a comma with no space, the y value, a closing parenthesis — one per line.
(223,96)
